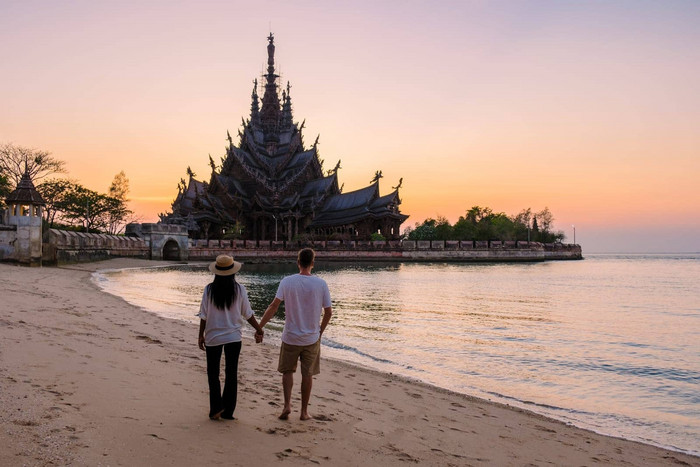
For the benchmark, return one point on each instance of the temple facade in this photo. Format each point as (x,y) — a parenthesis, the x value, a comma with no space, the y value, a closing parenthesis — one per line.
(270,186)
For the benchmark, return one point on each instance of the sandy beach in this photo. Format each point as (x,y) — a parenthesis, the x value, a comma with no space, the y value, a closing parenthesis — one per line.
(87,379)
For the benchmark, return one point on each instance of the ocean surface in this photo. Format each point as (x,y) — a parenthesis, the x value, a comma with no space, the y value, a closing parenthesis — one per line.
(610,343)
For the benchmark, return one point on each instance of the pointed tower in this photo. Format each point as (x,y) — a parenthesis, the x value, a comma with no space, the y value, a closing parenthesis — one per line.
(25,213)
(270,113)
(287,118)
(255,106)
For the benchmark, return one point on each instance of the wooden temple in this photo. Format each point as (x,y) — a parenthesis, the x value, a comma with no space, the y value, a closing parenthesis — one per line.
(270,186)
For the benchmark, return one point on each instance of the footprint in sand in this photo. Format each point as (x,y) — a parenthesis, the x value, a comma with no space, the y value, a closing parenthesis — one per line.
(149,339)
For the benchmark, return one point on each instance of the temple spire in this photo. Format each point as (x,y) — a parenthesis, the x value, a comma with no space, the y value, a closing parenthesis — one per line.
(270,113)
(286,108)
(255,105)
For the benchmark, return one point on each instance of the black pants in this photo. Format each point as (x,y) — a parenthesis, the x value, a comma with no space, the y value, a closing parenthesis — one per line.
(227,401)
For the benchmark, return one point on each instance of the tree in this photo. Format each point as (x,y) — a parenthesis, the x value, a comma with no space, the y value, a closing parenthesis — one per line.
(118,215)
(443,229)
(233,231)
(54,192)
(535,230)
(503,228)
(546,218)
(5,189)
(464,229)
(119,187)
(476,214)
(521,224)
(523,217)
(481,223)
(545,221)
(424,231)
(84,206)
(93,210)
(15,159)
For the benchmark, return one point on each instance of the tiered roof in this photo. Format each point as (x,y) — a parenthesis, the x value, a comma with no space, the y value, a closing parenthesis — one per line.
(270,170)
(25,193)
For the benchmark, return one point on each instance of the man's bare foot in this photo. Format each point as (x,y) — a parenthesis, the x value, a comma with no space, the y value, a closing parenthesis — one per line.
(285,414)
(305,416)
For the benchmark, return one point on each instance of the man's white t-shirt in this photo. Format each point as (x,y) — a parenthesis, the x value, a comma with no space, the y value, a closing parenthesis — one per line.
(224,326)
(304,297)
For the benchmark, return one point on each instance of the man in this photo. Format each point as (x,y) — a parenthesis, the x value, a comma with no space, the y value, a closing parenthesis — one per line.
(304,296)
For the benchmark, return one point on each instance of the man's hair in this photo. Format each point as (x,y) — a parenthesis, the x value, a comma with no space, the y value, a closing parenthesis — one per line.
(306,257)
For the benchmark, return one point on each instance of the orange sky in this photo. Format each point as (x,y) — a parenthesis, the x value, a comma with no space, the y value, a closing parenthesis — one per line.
(589,108)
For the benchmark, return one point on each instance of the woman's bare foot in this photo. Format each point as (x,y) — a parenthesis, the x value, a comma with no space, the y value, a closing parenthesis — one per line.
(285,414)
(305,416)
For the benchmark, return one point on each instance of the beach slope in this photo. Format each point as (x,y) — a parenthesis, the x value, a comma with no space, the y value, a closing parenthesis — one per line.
(87,379)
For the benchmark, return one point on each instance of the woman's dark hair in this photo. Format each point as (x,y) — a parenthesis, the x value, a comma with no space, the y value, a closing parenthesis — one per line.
(222,291)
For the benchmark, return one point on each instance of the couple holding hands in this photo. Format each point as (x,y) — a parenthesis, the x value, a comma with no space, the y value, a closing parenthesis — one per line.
(225,305)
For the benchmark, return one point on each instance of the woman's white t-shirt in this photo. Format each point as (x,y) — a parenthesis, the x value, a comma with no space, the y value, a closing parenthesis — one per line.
(224,326)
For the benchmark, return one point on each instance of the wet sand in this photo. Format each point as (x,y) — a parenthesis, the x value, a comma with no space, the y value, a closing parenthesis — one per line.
(87,379)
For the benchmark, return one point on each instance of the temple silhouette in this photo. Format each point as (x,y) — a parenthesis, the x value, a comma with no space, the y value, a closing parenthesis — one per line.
(270,186)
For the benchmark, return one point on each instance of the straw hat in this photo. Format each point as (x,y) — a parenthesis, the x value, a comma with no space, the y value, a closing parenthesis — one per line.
(225,266)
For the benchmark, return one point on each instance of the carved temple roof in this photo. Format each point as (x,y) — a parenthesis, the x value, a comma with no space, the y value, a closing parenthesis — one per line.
(350,207)
(270,170)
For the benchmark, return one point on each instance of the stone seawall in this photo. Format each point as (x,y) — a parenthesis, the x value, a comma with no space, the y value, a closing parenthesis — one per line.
(65,246)
(427,251)
(62,246)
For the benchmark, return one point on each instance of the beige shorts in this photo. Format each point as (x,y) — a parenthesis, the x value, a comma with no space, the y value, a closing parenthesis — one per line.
(310,356)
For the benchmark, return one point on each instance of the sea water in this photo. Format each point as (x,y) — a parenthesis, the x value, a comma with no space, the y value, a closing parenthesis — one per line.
(610,343)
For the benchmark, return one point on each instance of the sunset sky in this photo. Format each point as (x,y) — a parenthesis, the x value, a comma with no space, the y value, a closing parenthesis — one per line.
(591,108)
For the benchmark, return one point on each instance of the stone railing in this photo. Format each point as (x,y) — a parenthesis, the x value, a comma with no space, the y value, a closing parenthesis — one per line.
(406,250)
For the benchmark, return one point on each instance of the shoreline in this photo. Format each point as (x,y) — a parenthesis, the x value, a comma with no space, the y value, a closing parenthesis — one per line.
(87,350)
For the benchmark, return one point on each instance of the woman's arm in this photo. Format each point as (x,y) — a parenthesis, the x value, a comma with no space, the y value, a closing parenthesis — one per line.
(202,325)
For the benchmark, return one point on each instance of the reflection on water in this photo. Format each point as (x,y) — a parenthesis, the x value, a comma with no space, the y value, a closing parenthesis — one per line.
(609,343)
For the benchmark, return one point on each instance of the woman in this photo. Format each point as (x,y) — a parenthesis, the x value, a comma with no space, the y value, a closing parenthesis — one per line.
(224,305)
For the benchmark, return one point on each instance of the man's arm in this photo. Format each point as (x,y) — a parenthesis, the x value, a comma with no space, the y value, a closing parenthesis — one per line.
(200,341)
(258,330)
(327,313)
(270,312)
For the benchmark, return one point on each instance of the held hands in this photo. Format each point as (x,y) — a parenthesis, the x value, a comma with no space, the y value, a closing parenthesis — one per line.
(259,333)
